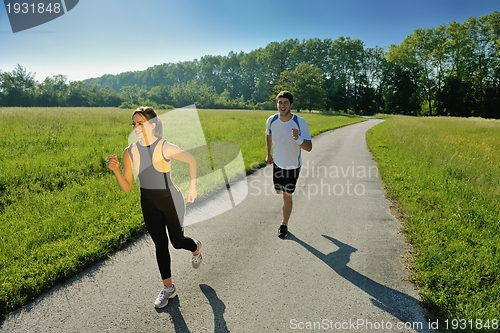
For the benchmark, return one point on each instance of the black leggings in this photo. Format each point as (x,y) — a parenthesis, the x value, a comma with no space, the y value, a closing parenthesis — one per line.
(159,210)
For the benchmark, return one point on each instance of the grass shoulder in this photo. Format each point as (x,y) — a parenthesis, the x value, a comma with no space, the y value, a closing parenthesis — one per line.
(444,175)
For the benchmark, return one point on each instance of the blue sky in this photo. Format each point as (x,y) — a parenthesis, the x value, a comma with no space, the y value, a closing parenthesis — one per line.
(100,37)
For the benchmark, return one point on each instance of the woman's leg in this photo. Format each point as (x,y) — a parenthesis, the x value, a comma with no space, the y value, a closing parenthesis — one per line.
(174,211)
(155,224)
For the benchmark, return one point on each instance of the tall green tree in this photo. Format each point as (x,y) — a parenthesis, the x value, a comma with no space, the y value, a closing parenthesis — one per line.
(306,84)
(18,87)
(374,68)
(52,91)
(250,72)
(456,86)
(209,72)
(130,94)
(193,92)
(406,72)
(344,67)
(275,58)
(231,74)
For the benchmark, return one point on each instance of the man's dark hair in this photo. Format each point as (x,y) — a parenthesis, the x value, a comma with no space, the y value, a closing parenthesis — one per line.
(285,94)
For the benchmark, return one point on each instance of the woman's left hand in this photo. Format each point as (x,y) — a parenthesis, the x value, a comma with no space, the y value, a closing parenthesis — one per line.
(192,194)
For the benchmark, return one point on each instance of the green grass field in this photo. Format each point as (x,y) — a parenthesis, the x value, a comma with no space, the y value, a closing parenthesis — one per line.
(445,175)
(60,207)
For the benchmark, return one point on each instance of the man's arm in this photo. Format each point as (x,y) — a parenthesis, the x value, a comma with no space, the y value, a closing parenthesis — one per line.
(269,145)
(307,145)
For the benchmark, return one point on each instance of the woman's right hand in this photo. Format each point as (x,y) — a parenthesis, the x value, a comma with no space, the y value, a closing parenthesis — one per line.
(113,163)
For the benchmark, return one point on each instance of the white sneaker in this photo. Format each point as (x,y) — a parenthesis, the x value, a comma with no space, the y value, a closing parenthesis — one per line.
(196,260)
(164,295)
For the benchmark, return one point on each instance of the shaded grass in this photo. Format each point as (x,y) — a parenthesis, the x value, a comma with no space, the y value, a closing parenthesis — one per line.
(445,174)
(60,207)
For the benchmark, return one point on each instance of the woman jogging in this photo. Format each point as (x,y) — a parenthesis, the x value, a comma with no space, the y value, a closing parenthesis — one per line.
(161,201)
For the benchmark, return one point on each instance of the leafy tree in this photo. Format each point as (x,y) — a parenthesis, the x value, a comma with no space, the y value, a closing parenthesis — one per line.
(316,52)
(181,72)
(80,93)
(306,84)
(209,71)
(404,78)
(439,64)
(193,92)
(275,58)
(250,72)
(346,58)
(106,96)
(52,91)
(18,87)
(231,74)
(421,46)
(130,94)
(160,94)
(401,93)
(375,69)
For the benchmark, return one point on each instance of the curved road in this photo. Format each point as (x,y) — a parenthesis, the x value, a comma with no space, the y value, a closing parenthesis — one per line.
(340,269)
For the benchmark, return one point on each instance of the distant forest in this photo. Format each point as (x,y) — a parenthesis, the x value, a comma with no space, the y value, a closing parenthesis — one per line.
(452,70)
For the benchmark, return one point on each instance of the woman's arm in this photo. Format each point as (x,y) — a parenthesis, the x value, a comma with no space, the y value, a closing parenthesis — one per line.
(124,180)
(173,151)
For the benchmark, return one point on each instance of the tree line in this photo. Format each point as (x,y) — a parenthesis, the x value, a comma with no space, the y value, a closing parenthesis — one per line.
(453,69)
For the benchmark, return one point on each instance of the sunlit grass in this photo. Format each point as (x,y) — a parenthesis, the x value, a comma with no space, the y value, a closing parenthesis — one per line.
(445,173)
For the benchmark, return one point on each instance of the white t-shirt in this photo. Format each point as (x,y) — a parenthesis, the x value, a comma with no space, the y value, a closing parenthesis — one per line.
(287,153)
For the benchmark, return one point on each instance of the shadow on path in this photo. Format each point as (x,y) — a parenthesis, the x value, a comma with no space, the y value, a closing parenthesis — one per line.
(173,308)
(218,308)
(396,303)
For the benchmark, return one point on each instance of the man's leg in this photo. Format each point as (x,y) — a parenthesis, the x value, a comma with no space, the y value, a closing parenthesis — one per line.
(284,184)
(287,207)
(287,211)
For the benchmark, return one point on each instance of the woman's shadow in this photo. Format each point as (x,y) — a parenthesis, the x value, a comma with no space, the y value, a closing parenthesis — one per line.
(396,303)
(218,308)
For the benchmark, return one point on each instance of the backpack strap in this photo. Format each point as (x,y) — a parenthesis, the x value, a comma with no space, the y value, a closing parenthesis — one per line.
(295,118)
(275,117)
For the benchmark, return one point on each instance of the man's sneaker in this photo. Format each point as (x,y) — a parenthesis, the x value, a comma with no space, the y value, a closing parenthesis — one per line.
(196,260)
(283,231)
(164,295)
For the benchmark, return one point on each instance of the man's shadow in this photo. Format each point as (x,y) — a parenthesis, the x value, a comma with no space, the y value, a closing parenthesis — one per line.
(218,308)
(394,302)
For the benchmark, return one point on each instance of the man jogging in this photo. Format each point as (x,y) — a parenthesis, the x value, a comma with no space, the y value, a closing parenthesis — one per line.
(289,134)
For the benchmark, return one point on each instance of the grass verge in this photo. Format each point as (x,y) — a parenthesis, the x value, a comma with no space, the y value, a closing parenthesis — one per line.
(445,175)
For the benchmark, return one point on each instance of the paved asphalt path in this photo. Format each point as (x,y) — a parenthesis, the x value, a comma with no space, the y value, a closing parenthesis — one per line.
(340,269)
